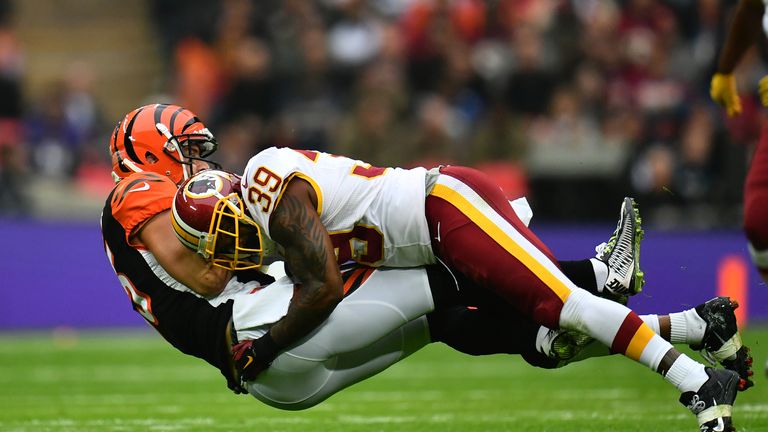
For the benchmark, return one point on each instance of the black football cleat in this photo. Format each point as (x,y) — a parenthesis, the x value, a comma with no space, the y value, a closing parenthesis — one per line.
(722,342)
(713,402)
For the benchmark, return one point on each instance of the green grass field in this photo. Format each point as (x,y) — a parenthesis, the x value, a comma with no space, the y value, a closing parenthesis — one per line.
(136,382)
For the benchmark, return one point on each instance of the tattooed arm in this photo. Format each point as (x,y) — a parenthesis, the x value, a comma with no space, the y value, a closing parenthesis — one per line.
(309,256)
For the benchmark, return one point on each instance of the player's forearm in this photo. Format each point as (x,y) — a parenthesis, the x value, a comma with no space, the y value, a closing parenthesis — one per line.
(743,32)
(309,307)
(310,259)
(318,287)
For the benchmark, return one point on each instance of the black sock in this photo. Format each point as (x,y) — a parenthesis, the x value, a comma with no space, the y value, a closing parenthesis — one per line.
(581,273)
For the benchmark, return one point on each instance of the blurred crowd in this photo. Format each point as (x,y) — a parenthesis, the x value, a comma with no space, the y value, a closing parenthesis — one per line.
(573,103)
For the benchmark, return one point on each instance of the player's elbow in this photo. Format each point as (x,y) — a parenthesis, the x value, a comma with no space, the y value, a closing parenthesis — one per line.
(325,297)
(331,296)
(212,282)
(210,291)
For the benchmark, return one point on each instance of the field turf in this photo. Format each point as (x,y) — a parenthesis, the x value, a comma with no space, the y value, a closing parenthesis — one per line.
(134,381)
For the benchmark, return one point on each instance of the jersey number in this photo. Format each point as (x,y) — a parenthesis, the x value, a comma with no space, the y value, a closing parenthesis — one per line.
(361,169)
(141,302)
(363,244)
(266,182)
(367,170)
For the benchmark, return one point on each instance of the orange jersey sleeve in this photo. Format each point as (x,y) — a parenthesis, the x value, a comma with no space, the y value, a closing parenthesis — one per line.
(139,197)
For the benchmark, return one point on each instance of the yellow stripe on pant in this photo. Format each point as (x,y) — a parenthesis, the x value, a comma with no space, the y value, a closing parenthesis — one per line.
(504,240)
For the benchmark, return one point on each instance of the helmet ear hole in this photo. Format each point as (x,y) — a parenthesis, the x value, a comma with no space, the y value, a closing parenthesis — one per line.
(151,158)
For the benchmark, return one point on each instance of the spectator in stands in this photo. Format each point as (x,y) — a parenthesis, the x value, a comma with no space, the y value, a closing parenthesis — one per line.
(13,157)
(53,139)
(445,80)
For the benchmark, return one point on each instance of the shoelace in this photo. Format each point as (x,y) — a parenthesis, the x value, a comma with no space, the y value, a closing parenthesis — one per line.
(621,257)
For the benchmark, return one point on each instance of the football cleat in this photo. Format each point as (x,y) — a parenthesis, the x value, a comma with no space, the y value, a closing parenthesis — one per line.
(563,345)
(721,342)
(713,402)
(621,253)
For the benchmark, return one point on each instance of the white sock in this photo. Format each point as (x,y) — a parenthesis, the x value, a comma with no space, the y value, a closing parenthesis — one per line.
(601,272)
(687,327)
(686,374)
(652,321)
(602,319)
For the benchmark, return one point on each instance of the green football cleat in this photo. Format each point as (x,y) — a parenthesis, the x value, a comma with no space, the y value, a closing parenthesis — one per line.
(565,346)
(621,253)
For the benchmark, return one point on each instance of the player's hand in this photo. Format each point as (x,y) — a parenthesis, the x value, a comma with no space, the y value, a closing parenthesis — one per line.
(723,91)
(763,87)
(252,356)
(236,387)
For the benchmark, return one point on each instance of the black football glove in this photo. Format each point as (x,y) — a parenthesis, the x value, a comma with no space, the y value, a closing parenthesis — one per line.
(252,356)
(235,386)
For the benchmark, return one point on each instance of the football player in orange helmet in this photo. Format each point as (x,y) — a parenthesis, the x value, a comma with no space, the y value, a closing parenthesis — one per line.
(189,322)
(164,139)
(154,148)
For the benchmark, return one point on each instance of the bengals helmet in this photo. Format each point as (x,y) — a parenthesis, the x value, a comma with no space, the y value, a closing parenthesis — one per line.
(209,217)
(165,139)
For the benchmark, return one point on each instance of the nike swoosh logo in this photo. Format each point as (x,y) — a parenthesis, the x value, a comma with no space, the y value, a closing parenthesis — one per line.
(438,232)
(250,360)
(139,189)
(720,425)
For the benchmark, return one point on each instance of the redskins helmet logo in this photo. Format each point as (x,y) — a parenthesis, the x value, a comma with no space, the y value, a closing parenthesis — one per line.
(206,184)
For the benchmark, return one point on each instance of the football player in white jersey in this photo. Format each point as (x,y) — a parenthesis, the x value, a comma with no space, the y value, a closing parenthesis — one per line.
(316,210)
(191,303)
(387,314)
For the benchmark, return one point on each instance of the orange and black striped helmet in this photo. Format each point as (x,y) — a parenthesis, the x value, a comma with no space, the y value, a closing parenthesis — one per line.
(165,139)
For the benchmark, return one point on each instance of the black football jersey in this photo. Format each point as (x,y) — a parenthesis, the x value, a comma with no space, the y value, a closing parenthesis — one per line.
(188,322)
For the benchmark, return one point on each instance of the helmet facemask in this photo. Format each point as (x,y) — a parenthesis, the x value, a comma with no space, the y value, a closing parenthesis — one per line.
(179,148)
(233,240)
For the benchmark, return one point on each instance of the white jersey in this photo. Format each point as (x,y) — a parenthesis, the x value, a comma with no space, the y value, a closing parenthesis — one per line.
(375,216)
